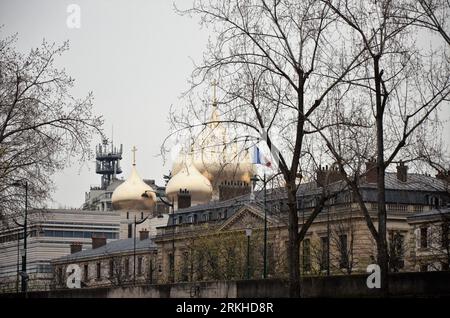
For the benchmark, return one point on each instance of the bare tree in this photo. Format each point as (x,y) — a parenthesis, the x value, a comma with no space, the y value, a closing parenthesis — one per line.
(397,88)
(432,15)
(273,60)
(116,271)
(42,126)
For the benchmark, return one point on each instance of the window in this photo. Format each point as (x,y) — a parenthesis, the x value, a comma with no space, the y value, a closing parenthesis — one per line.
(396,251)
(142,215)
(111,268)
(130,230)
(180,219)
(343,251)
(86,272)
(324,253)
(139,269)
(306,255)
(99,270)
(128,215)
(127,267)
(423,237)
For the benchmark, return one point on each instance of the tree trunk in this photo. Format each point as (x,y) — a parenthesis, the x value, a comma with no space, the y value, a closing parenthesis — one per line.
(382,255)
(294,245)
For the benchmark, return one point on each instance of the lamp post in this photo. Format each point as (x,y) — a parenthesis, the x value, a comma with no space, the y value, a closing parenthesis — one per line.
(248,233)
(23,273)
(171,205)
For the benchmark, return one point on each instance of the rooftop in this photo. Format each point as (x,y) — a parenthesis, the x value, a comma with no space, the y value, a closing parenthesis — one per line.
(115,247)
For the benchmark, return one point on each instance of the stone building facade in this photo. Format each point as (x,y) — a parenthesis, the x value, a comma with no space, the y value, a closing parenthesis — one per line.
(119,263)
(193,246)
(210,241)
(430,233)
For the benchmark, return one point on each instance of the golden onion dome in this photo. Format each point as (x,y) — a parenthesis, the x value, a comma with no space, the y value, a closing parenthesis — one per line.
(190,179)
(128,196)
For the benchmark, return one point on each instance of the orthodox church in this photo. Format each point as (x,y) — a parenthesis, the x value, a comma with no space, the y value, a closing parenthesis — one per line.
(213,169)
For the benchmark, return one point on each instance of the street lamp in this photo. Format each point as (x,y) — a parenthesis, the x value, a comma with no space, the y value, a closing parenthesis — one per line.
(171,205)
(248,233)
(23,273)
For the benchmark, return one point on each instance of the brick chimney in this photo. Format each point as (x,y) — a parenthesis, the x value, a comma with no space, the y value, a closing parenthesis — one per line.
(184,199)
(98,241)
(143,234)
(371,171)
(402,172)
(327,175)
(76,247)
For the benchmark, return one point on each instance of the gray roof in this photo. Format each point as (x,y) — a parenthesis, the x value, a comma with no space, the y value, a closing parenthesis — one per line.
(114,247)
(414,182)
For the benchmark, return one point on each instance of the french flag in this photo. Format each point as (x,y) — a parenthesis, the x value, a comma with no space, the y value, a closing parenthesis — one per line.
(259,158)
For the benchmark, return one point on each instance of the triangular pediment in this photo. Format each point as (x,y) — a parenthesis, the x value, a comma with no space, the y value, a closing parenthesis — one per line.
(247,215)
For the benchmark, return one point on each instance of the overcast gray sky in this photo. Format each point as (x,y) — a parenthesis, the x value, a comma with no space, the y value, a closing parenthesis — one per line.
(134,55)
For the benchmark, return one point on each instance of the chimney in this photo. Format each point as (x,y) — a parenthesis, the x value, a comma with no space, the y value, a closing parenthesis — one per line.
(98,241)
(371,171)
(184,199)
(75,247)
(402,172)
(143,234)
(327,175)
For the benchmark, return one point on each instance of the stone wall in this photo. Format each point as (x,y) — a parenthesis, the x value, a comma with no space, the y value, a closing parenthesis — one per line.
(428,284)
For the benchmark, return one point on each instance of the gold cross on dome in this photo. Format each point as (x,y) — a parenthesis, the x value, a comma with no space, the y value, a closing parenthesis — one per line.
(214,85)
(133,150)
